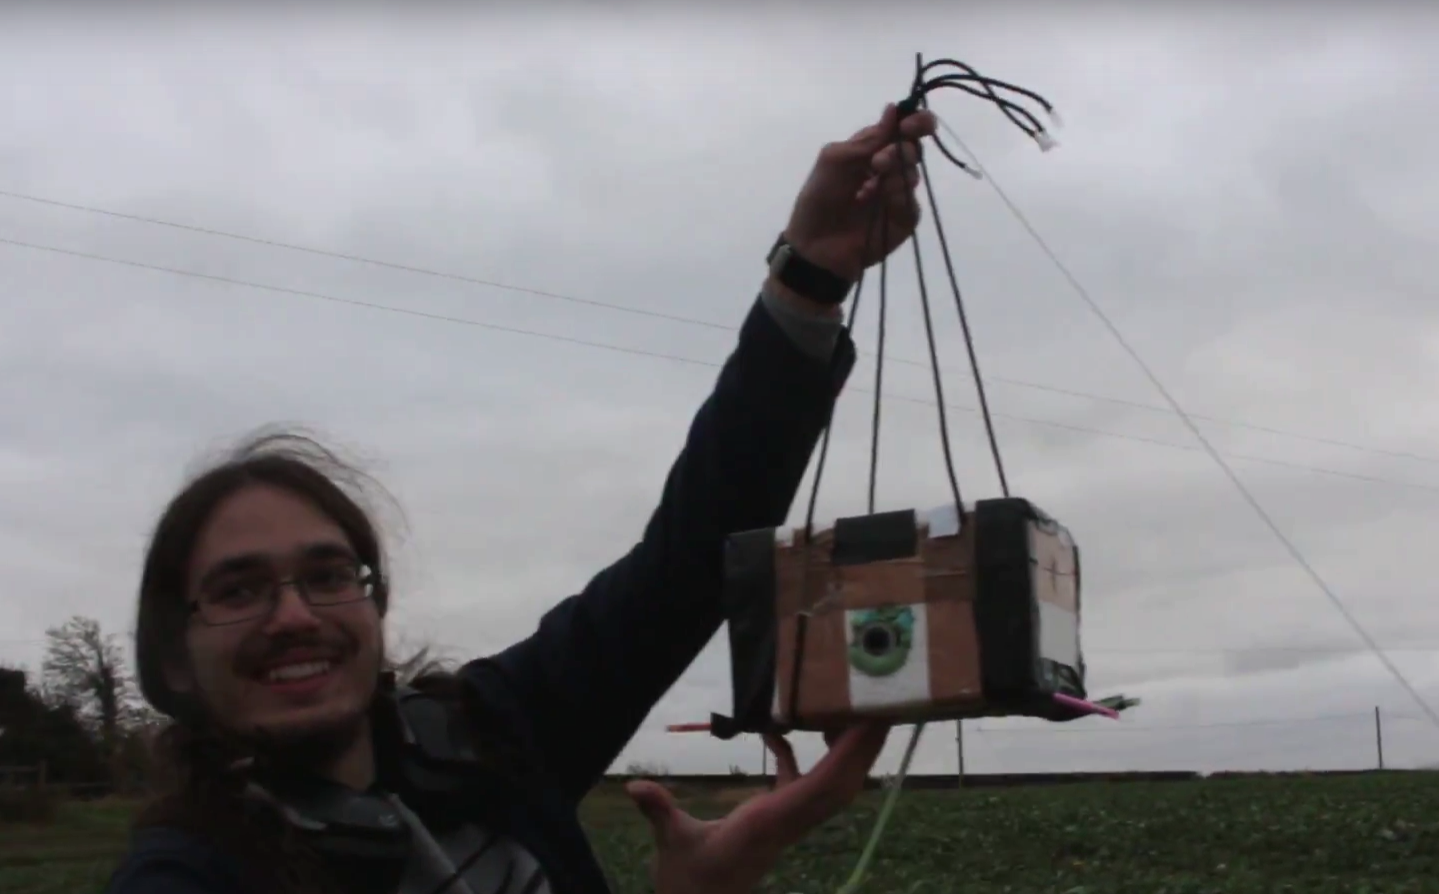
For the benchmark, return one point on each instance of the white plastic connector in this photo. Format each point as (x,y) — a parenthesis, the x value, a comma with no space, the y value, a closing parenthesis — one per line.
(1054,119)
(976,173)
(1046,141)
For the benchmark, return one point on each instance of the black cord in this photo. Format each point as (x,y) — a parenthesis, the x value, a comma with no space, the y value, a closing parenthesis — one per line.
(874,428)
(829,420)
(990,85)
(801,620)
(934,369)
(918,99)
(968,346)
(1022,117)
(972,82)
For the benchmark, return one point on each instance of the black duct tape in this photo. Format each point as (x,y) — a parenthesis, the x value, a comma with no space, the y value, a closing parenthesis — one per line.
(881,537)
(749,608)
(1015,676)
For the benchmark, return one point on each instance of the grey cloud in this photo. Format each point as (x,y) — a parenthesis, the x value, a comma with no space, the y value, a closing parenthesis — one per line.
(1247,197)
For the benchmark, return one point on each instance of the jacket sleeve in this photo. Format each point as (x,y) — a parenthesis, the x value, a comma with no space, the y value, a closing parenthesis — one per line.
(167,861)
(600,660)
(169,877)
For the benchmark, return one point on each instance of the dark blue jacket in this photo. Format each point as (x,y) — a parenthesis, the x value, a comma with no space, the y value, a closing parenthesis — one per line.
(577,690)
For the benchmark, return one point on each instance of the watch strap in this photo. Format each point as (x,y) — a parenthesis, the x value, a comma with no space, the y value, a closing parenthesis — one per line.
(805,277)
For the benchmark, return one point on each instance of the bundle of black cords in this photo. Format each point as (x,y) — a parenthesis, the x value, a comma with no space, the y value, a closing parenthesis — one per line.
(975,84)
(929,77)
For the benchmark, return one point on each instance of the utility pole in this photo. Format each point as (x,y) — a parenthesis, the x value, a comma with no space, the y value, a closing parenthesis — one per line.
(1379,736)
(959,746)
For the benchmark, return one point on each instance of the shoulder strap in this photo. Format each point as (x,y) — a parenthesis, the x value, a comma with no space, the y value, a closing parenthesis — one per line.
(432,731)
(441,771)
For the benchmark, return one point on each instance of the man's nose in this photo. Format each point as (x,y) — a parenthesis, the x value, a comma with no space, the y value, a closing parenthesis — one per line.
(291,611)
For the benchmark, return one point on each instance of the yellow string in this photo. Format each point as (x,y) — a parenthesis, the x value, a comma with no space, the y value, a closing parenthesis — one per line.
(886,808)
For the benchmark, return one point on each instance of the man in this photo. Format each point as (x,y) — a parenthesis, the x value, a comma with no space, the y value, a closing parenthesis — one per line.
(299,766)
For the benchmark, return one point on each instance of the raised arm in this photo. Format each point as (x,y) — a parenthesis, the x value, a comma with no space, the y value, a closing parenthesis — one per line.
(586,679)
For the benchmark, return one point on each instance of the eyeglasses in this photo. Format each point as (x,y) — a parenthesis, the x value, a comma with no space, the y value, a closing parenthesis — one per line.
(247,596)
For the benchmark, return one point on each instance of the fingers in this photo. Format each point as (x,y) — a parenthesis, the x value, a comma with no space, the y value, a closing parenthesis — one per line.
(919,125)
(896,156)
(782,817)
(894,171)
(891,150)
(834,782)
(868,140)
(851,756)
(657,805)
(786,768)
(913,127)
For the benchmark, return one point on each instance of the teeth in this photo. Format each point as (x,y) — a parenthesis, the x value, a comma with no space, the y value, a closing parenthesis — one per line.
(292,672)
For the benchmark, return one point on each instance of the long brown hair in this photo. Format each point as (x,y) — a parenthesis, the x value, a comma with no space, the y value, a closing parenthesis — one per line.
(293,462)
(201,770)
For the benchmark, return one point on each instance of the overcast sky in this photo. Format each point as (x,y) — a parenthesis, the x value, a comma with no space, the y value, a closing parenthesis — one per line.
(1252,198)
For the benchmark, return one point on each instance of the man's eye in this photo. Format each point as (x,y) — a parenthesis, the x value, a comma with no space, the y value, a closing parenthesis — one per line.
(238,591)
(330,579)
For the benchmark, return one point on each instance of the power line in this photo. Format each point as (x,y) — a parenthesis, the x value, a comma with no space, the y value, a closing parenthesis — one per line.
(1112,728)
(358,259)
(678,318)
(676,358)
(353,302)
(1298,556)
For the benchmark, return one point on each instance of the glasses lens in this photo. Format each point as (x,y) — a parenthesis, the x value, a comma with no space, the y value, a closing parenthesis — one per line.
(237,600)
(334,584)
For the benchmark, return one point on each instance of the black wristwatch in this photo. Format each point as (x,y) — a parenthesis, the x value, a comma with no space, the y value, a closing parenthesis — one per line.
(805,277)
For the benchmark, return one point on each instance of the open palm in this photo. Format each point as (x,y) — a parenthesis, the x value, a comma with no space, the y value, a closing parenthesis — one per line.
(731,855)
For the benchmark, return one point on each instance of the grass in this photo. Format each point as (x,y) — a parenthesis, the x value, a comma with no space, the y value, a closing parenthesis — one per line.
(1317,835)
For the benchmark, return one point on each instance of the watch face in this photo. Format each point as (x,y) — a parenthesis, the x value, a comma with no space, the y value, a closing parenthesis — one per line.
(779,258)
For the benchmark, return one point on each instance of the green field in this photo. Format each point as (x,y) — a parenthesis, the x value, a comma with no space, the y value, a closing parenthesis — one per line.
(1316,835)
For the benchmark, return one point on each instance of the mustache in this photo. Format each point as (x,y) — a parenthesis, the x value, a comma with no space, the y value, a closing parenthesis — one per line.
(259,649)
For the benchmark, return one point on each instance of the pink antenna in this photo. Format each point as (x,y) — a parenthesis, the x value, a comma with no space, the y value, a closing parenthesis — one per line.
(1084,707)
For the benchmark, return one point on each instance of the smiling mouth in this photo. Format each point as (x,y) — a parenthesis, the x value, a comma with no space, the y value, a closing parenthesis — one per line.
(293,673)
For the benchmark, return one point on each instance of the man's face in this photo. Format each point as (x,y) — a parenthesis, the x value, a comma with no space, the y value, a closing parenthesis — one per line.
(301,675)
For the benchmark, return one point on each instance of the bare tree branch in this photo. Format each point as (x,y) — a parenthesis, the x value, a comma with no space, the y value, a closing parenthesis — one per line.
(85,668)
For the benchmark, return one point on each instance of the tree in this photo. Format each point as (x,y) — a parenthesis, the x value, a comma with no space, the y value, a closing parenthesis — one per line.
(85,669)
(32,731)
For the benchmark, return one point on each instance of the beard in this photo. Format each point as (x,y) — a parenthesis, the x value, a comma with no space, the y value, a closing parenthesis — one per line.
(307,748)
